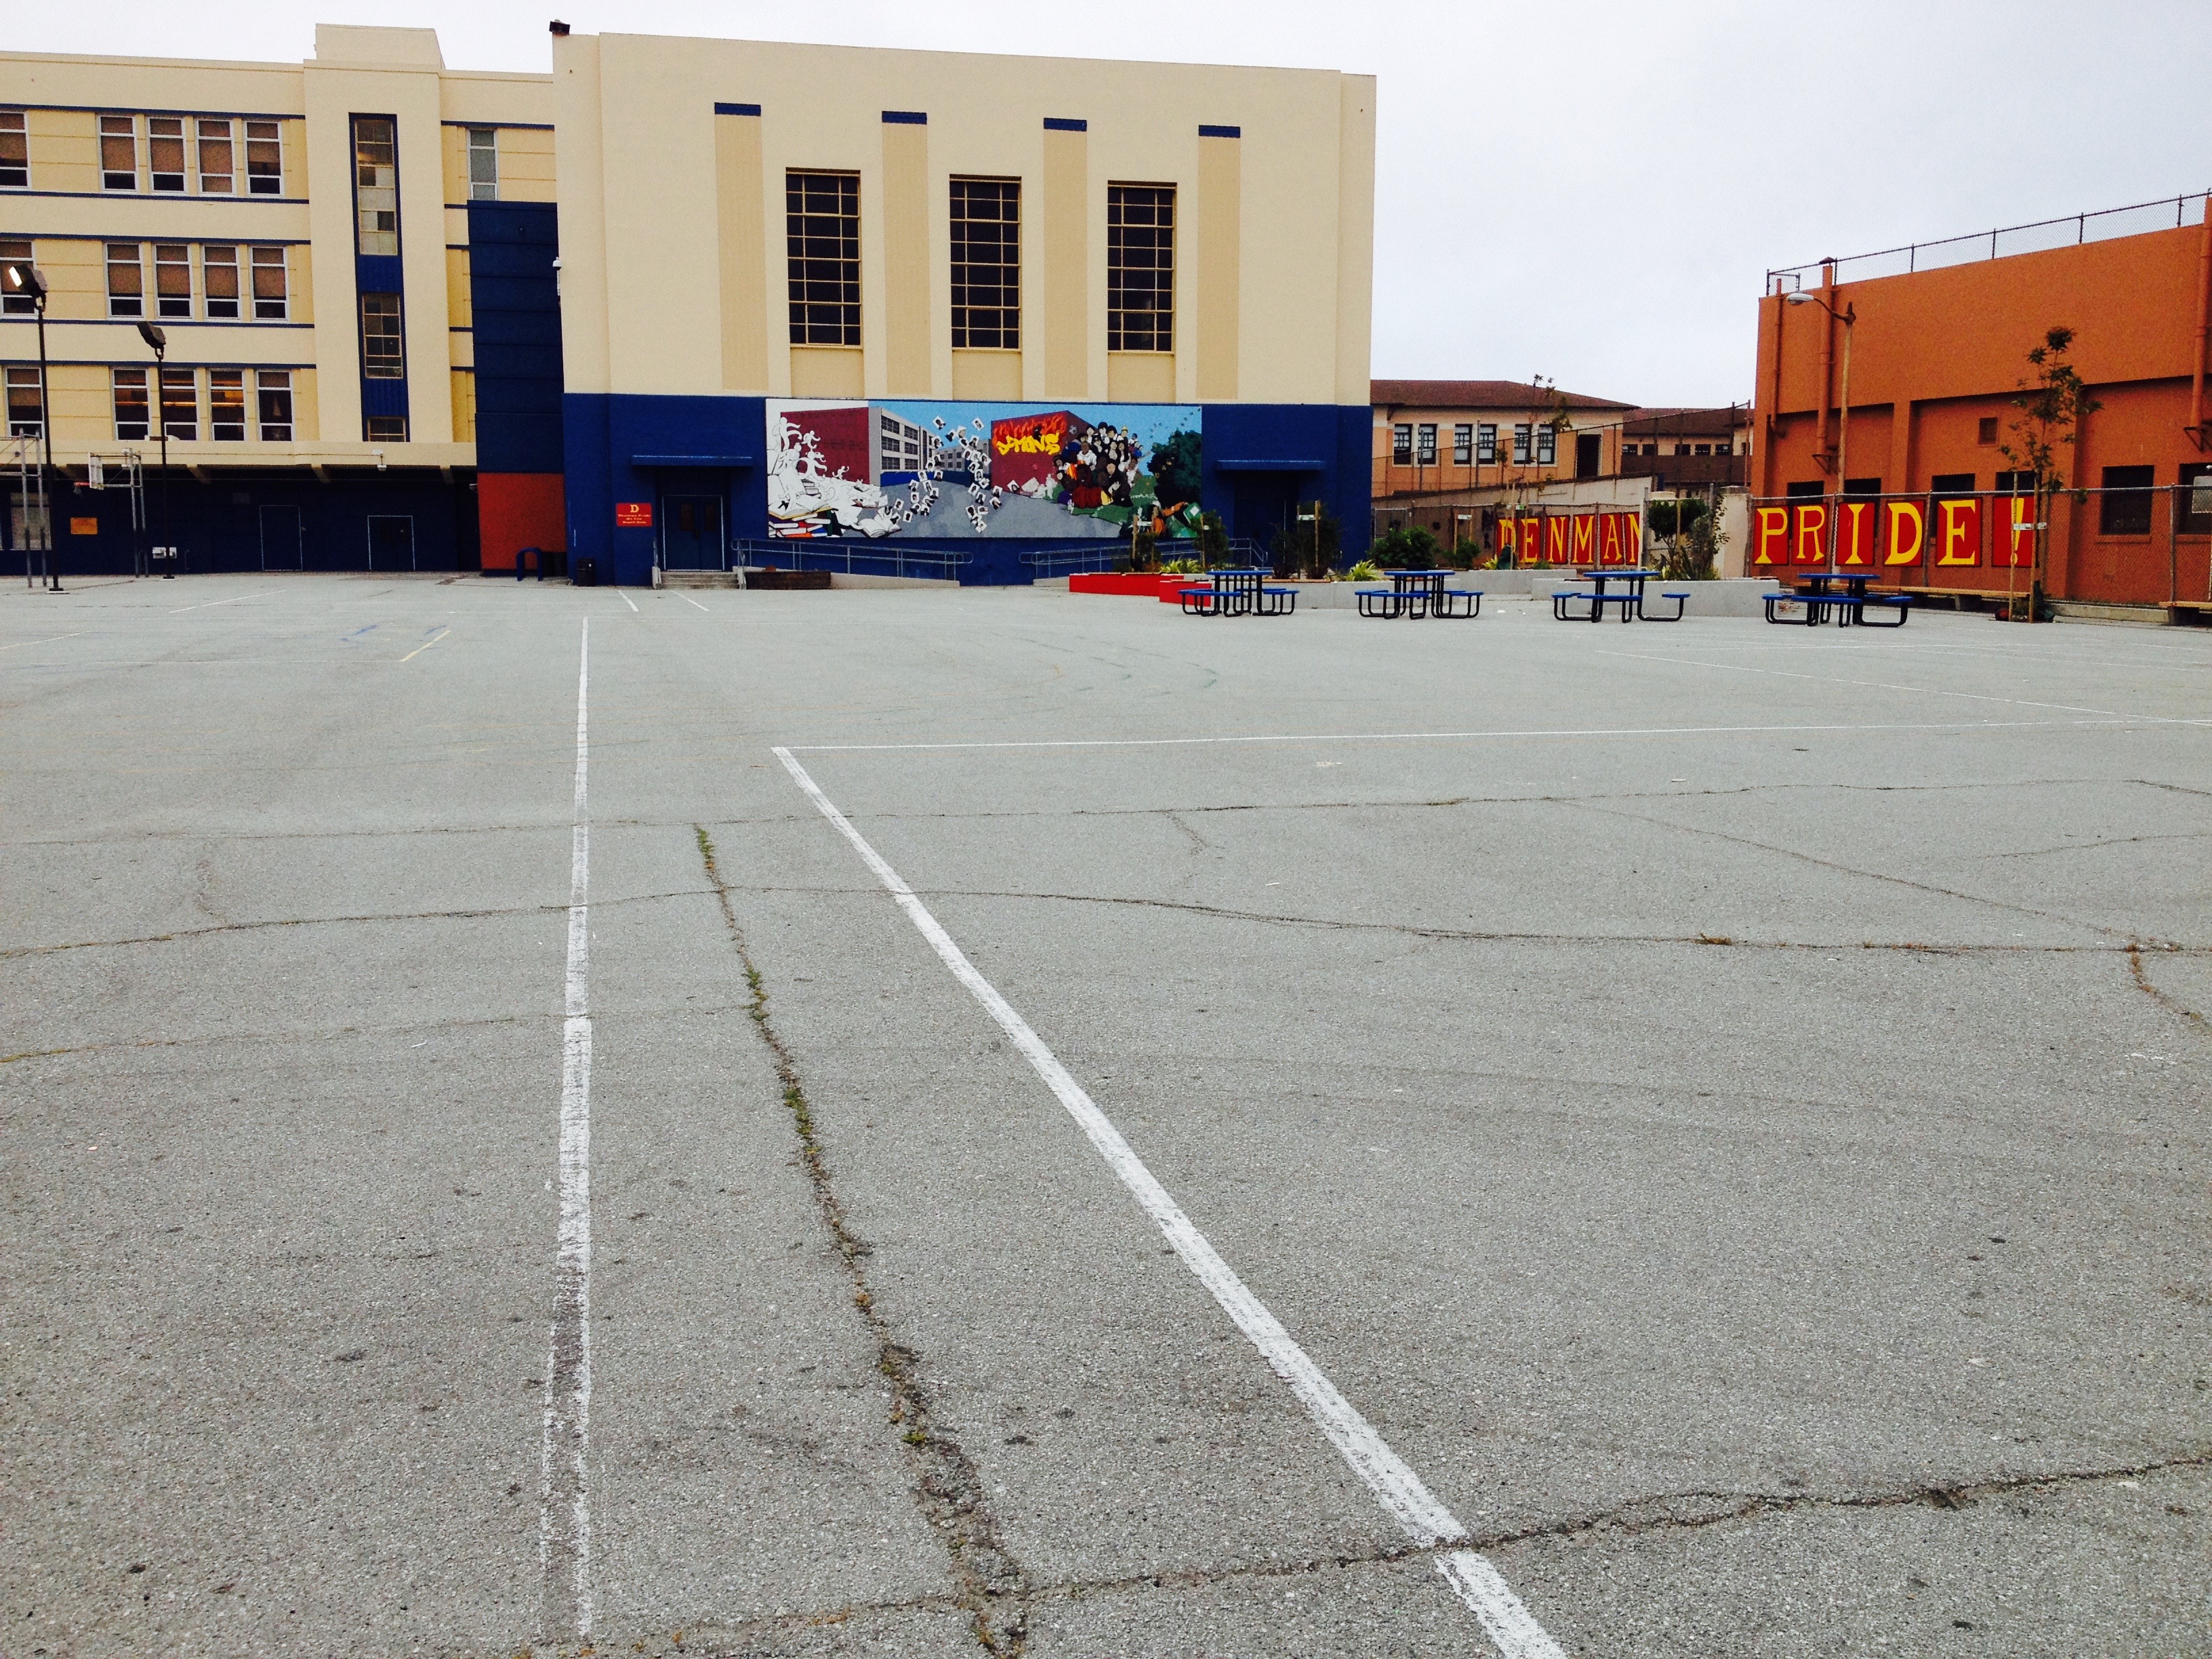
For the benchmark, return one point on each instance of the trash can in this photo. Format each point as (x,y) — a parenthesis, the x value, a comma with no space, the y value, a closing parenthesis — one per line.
(588,573)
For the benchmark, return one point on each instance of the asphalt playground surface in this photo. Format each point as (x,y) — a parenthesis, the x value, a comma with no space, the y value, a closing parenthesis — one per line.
(1723,1107)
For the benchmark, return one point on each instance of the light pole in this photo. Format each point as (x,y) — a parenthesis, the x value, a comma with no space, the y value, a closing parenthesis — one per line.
(23,278)
(154,336)
(1847,316)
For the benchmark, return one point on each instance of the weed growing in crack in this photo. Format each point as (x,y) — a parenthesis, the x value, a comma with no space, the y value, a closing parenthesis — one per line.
(993,1589)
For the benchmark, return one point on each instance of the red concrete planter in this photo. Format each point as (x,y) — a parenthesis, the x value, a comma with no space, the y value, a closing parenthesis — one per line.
(1143,584)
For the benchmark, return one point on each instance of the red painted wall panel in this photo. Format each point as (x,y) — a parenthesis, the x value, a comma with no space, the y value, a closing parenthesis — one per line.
(517,510)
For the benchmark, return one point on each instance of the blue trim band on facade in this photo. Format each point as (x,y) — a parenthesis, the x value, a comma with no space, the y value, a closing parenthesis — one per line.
(1220,132)
(122,109)
(737,109)
(170,324)
(1064,123)
(1271,465)
(149,236)
(725,463)
(512,126)
(140,195)
(905,117)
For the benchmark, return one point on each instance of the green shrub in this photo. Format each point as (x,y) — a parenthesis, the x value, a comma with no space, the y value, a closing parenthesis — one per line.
(1365,571)
(1406,547)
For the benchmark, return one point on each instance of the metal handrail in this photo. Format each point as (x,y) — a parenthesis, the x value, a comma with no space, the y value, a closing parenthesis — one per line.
(1784,279)
(839,556)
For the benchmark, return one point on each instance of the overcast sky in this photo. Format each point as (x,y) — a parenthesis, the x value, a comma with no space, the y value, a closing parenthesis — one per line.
(1588,191)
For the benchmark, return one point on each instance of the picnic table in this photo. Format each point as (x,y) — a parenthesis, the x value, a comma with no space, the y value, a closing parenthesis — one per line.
(1630,581)
(1237,591)
(1420,593)
(1820,598)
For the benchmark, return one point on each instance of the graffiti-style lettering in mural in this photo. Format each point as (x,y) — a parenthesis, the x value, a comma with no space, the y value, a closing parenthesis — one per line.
(917,468)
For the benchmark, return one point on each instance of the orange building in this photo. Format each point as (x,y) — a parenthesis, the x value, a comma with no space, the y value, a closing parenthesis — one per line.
(1913,479)
(1437,435)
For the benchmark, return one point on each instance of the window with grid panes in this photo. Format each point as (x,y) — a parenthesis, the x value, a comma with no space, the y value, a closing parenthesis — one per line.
(1401,444)
(118,152)
(164,151)
(2193,501)
(1523,444)
(1140,267)
(1547,444)
(131,413)
(1485,442)
(2124,510)
(376,185)
(27,402)
(385,428)
(226,405)
(269,297)
(265,159)
(173,279)
(274,387)
(126,281)
(822,231)
(14,150)
(383,350)
(217,157)
(219,279)
(1462,445)
(987,264)
(1424,444)
(11,303)
(181,404)
(484,164)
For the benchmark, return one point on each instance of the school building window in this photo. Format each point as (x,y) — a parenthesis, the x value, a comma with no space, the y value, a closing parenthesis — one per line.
(27,402)
(173,279)
(1140,267)
(226,405)
(11,303)
(1463,445)
(217,157)
(118,152)
(484,164)
(987,264)
(1523,440)
(376,185)
(265,159)
(164,151)
(2124,507)
(822,235)
(219,279)
(1486,443)
(274,387)
(1401,444)
(385,428)
(181,404)
(131,421)
(1424,444)
(2195,505)
(383,348)
(126,281)
(14,150)
(1547,444)
(268,298)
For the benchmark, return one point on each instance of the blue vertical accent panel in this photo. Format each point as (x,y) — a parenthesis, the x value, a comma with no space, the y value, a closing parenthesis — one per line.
(604,435)
(1257,456)
(514,300)
(380,273)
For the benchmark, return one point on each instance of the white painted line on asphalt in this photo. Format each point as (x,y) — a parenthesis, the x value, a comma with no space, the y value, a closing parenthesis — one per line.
(1419,1511)
(426,645)
(693,603)
(565,1516)
(1917,690)
(241,600)
(49,639)
(1439,737)
(627,600)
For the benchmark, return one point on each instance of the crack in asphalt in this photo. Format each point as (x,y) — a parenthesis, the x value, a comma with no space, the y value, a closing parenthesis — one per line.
(949,1490)
(1502,936)
(1669,1512)
(1854,870)
(2143,980)
(182,934)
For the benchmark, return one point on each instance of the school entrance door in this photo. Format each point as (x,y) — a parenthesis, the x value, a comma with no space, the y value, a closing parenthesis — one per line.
(691,534)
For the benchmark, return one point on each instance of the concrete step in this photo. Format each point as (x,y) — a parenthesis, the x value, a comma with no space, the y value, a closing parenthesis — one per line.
(698,579)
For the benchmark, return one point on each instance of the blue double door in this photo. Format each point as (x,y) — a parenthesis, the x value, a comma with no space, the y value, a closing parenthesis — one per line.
(691,535)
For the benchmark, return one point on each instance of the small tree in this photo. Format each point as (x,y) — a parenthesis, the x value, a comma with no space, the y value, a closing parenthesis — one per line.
(1309,544)
(2051,404)
(1212,540)
(1406,547)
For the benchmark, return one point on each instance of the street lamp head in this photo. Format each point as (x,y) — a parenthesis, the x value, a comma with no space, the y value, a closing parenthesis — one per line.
(1798,296)
(21,277)
(152,334)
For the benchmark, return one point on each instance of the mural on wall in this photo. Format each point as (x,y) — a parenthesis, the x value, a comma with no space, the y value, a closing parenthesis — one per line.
(916,468)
